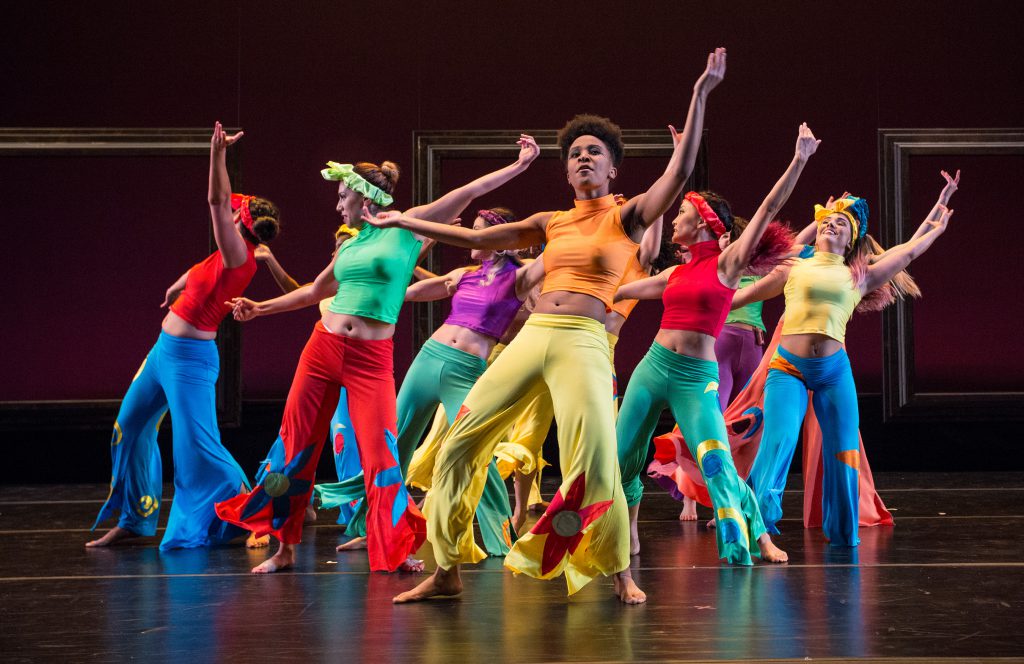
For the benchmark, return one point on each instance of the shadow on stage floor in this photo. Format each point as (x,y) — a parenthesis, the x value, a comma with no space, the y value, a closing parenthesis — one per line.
(946,582)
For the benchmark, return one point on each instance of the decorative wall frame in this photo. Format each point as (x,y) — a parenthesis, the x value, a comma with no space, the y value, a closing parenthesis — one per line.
(900,400)
(105,142)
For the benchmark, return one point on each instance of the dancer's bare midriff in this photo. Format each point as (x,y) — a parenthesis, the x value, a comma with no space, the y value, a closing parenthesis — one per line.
(568,303)
(357,327)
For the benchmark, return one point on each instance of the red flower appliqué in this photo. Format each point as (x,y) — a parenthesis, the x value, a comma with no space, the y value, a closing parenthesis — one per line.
(564,522)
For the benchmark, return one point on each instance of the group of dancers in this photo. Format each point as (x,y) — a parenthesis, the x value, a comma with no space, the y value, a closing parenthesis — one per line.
(529,340)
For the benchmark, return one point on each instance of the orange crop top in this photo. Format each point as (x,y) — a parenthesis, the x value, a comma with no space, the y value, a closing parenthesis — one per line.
(634,272)
(587,249)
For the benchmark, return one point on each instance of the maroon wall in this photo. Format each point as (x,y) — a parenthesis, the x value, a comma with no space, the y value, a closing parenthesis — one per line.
(351,81)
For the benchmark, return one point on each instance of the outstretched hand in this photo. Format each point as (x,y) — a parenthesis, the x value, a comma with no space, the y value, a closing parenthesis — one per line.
(713,73)
(220,140)
(806,143)
(171,295)
(387,219)
(832,199)
(242,308)
(940,224)
(263,252)
(528,150)
(952,184)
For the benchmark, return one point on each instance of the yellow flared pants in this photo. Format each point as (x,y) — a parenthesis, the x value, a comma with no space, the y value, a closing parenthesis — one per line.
(585,531)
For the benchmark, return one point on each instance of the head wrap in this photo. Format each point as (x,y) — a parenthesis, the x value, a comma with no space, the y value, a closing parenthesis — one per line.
(853,208)
(241,202)
(345,229)
(491,217)
(356,182)
(706,213)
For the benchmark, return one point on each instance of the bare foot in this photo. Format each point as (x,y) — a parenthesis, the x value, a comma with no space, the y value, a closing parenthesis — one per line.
(634,536)
(285,557)
(689,512)
(712,524)
(353,544)
(538,508)
(518,521)
(442,583)
(770,552)
(411,565)
(253,542)
(114,535)
(626,589)
(310,516)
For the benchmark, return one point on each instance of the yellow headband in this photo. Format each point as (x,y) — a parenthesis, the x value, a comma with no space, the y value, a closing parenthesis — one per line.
(839,207)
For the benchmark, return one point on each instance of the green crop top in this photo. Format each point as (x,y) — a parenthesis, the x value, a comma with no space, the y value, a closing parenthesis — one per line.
(373,271)
(749,314)
(820,296)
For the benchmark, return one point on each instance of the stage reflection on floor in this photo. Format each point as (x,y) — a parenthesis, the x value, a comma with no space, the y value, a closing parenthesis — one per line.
(947,581)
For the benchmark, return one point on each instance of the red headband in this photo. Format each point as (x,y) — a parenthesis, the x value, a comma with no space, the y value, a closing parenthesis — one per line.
(706,213)
(492,217)
(241,201)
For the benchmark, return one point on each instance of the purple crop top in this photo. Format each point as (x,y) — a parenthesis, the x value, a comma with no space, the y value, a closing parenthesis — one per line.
(485,300)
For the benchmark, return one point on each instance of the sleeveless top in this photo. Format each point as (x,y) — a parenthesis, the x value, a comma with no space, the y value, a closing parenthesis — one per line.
(820,296)
(485,300)
(209,286)
(587,249)
(748,314)
(695,298)
(634,272)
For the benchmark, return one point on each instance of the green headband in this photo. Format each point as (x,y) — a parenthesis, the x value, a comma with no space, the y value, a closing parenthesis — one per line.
(356,182)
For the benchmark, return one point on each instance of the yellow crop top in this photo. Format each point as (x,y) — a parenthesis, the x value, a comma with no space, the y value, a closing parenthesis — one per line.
(587,249)
(820,296)
(633,272)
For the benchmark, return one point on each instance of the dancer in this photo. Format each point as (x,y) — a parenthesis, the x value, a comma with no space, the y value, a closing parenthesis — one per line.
(485,299)
(351,347)
(822,293)
(562,350)
(351,511)
(179,374)
(343,440)
(680,371)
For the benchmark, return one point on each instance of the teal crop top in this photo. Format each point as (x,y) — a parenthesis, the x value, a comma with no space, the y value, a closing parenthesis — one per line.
(749,314)
(373,271)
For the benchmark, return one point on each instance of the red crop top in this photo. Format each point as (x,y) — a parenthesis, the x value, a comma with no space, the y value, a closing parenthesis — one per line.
(695,298)
(209,286)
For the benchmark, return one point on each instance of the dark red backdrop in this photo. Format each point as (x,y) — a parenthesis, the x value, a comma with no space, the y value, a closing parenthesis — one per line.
(348,81)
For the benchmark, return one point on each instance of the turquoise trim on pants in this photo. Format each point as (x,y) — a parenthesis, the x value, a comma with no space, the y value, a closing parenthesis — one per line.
(688,386)
(180,375)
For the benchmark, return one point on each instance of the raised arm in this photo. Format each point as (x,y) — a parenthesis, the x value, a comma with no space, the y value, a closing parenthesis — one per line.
(897,259)
(284,280)
(229,242)
(650,243)
(641,211)
(736,257)
(435,288)
(763,289)
(517,235)
(323,286)
(455,201)
(650,288)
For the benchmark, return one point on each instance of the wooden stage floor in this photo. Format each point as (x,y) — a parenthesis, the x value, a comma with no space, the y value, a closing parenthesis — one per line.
(947,583)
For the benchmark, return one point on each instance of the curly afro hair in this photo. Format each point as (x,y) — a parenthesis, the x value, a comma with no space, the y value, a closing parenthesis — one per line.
(585,124)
